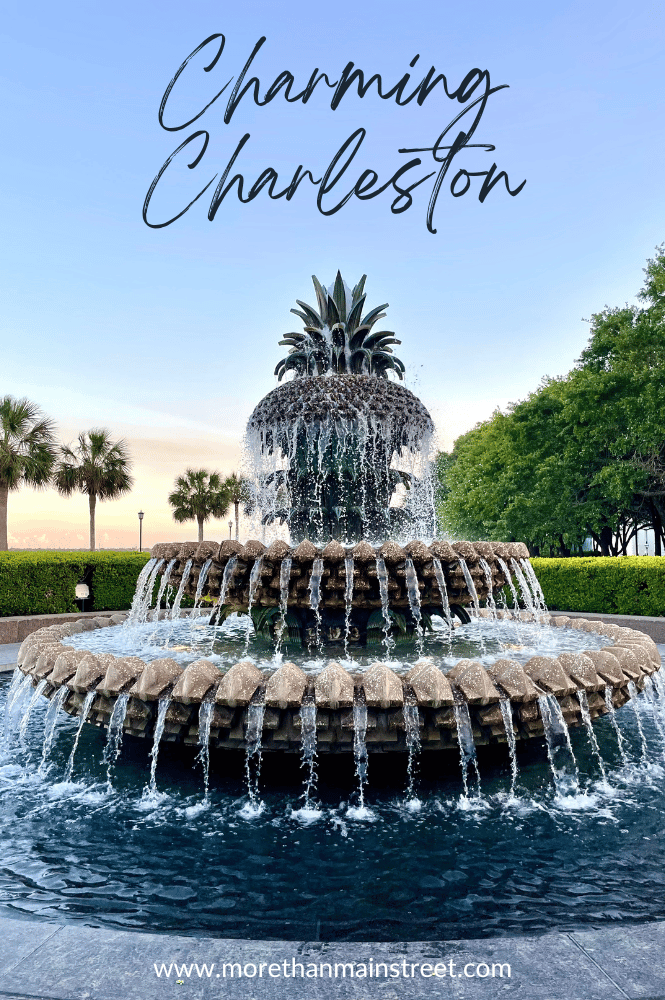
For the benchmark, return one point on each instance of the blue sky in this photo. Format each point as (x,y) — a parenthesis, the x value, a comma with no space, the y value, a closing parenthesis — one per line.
(169,336)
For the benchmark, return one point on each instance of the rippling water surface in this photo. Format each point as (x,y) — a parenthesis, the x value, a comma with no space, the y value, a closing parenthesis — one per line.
(186,640)
(438,866)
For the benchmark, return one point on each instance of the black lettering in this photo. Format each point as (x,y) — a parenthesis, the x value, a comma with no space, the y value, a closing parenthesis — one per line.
(489,183)
(206,69)
(326,184)
(219,194)
(194,163)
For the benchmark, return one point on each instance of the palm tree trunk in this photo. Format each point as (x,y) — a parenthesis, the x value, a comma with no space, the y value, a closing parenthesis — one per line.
(92,500)
(200,520)
(237,507)
(4,494)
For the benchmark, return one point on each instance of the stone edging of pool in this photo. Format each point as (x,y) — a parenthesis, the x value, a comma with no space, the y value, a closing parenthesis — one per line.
(51,961)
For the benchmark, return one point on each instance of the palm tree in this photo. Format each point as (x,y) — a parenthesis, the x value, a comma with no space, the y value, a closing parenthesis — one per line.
(238,490)
(97,466)
(27,451)
(199,495)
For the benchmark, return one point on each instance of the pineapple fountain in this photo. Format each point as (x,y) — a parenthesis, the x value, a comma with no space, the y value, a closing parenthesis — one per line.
(339,455)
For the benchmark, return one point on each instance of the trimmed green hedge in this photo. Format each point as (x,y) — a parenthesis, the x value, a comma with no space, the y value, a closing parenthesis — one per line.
(627,585)
(39,583)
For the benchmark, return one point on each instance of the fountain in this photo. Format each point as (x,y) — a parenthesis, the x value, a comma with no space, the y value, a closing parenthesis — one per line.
(352,652)
(339,456)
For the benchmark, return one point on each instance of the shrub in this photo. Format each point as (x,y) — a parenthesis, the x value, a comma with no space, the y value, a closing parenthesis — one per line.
(628,585)
(38,583)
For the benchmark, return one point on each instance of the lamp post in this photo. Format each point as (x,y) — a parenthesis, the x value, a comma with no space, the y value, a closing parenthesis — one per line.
(230,527)
(140,531)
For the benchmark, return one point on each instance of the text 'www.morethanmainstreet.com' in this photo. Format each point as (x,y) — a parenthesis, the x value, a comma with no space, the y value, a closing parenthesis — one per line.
(337,970)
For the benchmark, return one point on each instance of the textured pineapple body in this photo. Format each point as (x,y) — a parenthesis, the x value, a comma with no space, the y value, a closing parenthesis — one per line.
(330,451)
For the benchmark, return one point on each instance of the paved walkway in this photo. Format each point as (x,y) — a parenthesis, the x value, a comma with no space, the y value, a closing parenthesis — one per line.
(70,962)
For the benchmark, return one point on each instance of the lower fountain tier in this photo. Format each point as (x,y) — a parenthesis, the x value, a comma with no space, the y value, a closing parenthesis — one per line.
(597,680)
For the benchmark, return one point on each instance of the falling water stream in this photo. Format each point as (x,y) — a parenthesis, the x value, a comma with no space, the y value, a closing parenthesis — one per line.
(382,576)
(315,598)
(412,730)
(308,748)
(254,581)
(114,734)
(85,709)
(507,715)
(348,600)
(632,691)
(253,749)
(360,747)
(467,747)
(413,592)
(206,711)
(284,578)
(162,709)
(443,590)
(586,718)
(50,723)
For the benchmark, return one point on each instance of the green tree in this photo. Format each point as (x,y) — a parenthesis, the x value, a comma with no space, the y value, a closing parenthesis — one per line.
(198,496)
(27,451)
(584,454)
(239,492)
(97,466)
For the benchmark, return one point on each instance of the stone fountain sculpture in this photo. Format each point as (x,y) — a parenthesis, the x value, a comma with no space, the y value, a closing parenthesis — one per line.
(340,458)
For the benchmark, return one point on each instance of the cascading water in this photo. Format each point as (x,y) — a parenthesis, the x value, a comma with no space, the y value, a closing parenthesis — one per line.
(175,610)
(315,597)
(586,718)
(632,691)
(206,712)
(413,592)
(140,593)
(382,577)
(162,709)
(348,600)
(471,587)
(23,725)
(615,725)
(254,581)
(507,716)
(536,589)
(412,730)
(360,747)
(467,747)
(144,608)
(166,575)
(443,590)
(253,750)
(200,584)
(527,596)
(651,695)
(50,723)
(114,734)
(308,748)
(284,578)
(85,710)
(491,604)
(559,748)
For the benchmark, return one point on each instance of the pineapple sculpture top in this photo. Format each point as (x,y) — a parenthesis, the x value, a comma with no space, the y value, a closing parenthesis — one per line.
(339,338)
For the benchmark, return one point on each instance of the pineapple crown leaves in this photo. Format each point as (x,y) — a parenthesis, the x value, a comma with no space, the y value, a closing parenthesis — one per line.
(338,338)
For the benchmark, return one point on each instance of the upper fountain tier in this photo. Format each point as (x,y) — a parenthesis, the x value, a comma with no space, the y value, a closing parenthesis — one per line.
(341,452)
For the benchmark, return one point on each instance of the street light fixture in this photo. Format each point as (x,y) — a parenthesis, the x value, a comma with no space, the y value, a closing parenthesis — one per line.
(140,531)
(230,527)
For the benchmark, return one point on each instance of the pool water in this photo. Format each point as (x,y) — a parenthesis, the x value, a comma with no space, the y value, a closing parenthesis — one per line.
(438,865)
